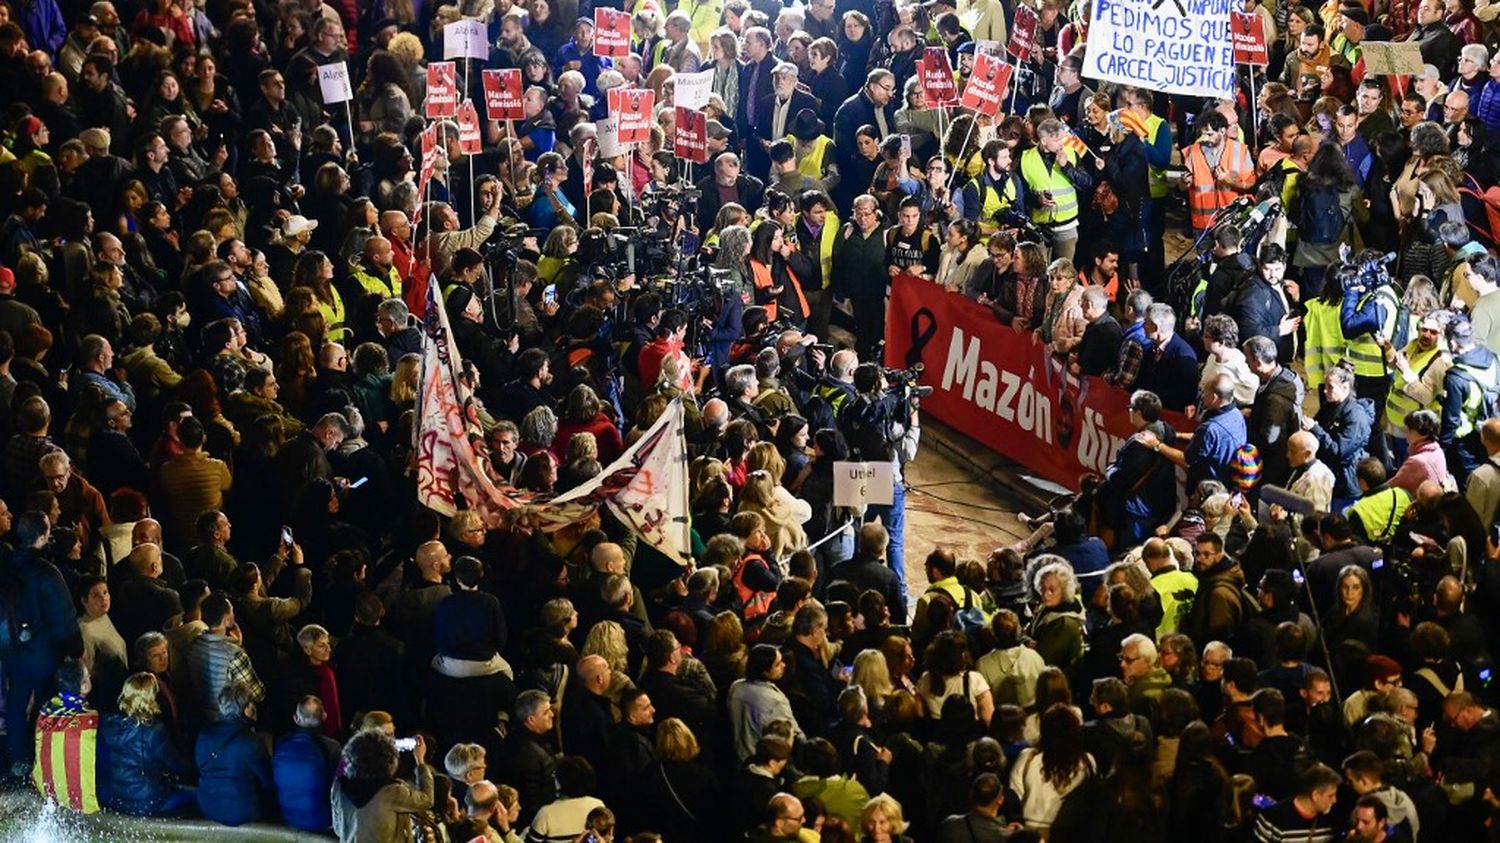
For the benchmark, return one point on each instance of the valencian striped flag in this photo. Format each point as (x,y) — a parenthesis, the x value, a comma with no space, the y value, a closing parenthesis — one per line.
(66,751)
(448,464)
(1134,122)
(1075,144)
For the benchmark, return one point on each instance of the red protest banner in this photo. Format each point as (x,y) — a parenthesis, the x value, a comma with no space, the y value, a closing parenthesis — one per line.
(611,33)
(442,90)
(469,139)
(691,137)
(633,107)
(987,84)
(937,78)
(1249,39)
(1005,389)
(502,94)
(1023,33)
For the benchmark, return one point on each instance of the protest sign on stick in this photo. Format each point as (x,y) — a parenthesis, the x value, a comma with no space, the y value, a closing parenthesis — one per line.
(1249,34)
(1023,33)
(442,90)
(466,39)
(691,135)
(502,94)
(1172,46)
(611,33)
(937,78)
(986,84)
(633,108)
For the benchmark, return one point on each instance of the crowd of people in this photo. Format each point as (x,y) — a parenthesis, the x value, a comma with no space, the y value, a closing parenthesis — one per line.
(1273,618)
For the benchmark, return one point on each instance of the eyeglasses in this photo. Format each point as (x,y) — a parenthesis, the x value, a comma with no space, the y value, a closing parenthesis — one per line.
(1124,659)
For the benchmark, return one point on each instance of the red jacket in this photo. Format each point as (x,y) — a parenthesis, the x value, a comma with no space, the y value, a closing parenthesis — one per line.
(611,445)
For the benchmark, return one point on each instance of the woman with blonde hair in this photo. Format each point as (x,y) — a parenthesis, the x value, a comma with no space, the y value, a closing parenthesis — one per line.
(783,523)
(141,768)
(678,791)
(873,674)
(606,639)
(404,382)
(882,822)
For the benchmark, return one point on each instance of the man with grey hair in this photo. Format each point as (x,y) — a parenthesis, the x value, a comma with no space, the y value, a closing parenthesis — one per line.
(1169,366)
(1051,174)
(680,53)
(528,759)
(776,111)
(1210,451)
(305,458)
(308,758)
(1099,350)
(1144,678)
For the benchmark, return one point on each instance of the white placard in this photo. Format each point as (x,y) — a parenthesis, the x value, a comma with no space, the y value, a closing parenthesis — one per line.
(857,484)
(1177,47)
(691,90)
(466,39)
(608,129)
(333,79)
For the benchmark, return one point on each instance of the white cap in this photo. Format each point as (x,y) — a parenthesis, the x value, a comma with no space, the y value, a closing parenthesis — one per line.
(296,224)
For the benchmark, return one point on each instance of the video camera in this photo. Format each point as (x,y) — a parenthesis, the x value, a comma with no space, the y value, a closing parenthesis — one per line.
(1026,230)
(1371,269)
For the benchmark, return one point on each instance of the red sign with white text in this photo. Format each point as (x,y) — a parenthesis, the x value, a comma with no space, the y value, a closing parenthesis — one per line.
(611,33)
(633,107)
(987,84)
(937,78)
(1249,33)
(691,140)
(502,95)
(1003,388)
(470,141)
(442,90)
(1023,33)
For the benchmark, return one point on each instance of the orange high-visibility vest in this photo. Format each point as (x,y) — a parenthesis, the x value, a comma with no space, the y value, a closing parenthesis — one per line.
(763,281)
(1207,195)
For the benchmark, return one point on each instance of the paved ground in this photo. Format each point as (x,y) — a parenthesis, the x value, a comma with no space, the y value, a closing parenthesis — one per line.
(952,501)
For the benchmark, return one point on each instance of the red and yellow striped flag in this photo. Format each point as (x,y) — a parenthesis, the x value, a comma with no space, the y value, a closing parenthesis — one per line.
(1134,122)
(1076,144)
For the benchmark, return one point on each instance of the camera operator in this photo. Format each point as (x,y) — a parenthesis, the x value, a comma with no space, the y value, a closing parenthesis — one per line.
(881,425)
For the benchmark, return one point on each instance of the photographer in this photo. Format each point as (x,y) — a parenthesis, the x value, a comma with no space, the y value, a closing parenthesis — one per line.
(995,191)
(881,425)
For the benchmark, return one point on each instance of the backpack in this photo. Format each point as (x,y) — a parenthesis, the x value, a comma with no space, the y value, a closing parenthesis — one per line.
(1322,220)
(1489,396)
(1244,467)
(868,428)
(1490,200)
(969,618)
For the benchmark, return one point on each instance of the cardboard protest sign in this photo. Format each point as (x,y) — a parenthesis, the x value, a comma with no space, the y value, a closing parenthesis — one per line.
(466,39)
(469,139)
(502,94)
(611,33)
(1385,58)
(607,132)
(938,85)
(691,90)
(1249,34)
(442,90)
(987,84)
(1023,33)
(1175,46)
(333,81)
(633,107)
(690,142)
(430,151)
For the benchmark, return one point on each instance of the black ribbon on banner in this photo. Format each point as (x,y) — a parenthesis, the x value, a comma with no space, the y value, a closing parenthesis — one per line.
(923,329)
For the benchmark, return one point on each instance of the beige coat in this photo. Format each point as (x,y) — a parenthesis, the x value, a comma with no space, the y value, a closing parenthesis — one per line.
(384,819)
